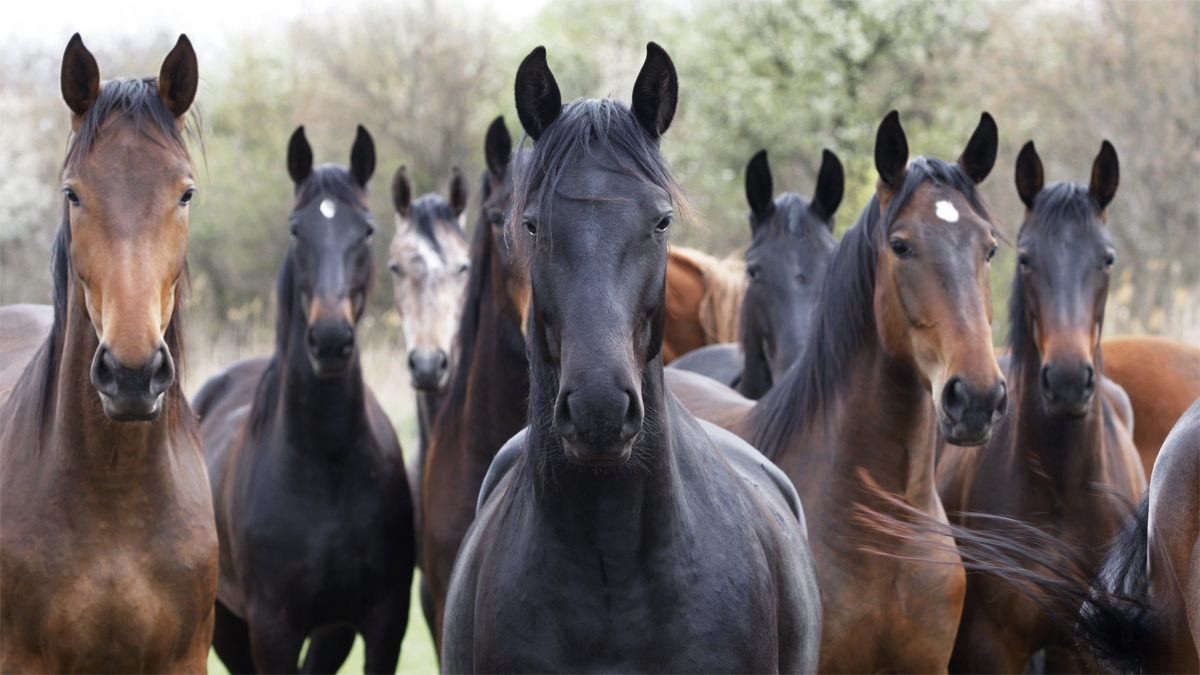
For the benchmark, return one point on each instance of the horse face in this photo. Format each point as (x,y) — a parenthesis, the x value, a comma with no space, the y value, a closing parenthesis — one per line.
(127,203)
(597,273)
(429,259)
(1065,259)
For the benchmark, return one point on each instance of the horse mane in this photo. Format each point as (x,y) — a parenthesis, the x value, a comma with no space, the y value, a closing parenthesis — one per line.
(845,314)
(724,287)
(1056,208)
(427,212)
(137,100)
(327,180)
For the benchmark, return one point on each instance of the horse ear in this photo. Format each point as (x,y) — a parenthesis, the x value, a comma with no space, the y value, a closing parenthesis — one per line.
(539,102)
(891,150)
(80,80)
(362,156)
(656,91)
(980,156)
(1030,176)
(402,192)
(831,183)
(497,147)
(760,191)
(179,77)
(1106,174)
(299,157)
(459,193)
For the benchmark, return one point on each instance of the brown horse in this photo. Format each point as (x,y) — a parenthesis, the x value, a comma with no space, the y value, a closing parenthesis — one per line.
(485,404)
(108,554)
(901,349)
(1063,460)
(1162,378)
(704,301)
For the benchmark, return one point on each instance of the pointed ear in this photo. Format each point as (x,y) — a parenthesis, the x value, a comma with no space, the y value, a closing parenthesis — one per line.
(760,191)
(362,156)
(299,157)
(656,91)
(891,150)
(980,156)
(179,77)
(831,184)
(1030,176)
(80,77)
(497,147)
(538,101)
(1106,174)
(402,192)
(459,193)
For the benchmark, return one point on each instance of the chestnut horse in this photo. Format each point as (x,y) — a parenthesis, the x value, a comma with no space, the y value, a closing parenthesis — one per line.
(486,400)
(108,554)
(312,502)
(618,533)
(704,300)
(785,264)
(1063,460)
(901,350)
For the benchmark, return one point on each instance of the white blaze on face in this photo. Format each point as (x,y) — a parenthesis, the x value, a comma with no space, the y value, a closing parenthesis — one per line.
(429,291)
(947,212)
(328,208)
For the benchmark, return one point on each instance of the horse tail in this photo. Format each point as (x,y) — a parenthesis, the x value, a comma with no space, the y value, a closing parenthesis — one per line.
(1106,611)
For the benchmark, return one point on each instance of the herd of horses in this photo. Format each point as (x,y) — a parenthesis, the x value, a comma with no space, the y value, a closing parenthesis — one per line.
(837,472)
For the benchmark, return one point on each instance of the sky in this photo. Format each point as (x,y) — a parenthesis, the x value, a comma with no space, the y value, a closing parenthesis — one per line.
(50,23)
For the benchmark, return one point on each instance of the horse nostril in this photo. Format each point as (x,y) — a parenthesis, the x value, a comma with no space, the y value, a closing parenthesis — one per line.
(443,363)
(1047,389)
(104,376)
(347,350)
(1089,379)
(954,397)
(412,360)
(1002,404)
(162,371)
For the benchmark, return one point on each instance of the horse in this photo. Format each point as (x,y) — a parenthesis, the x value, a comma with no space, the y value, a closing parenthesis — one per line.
(312,503)
(429,259)
(108,552)
(1161,377)
(617,532)
(704,300)
(1064,459)
(785,264)
(901,350)
(485,402)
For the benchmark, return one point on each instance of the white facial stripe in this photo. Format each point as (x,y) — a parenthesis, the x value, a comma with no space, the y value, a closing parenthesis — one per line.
(328,208)
(947,212)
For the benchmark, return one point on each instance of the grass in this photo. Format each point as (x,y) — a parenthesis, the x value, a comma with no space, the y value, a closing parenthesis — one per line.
(212,348)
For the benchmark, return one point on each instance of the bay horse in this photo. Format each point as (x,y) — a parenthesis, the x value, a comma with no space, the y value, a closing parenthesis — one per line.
(617,532)
(1063,460)
(108,553)
(901,351)
(785,264)
(488,393)
(704,300)
(1161,377)
(429,259)
(312,502)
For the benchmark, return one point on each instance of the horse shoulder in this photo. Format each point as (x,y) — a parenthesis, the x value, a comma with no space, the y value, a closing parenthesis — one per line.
(382,429)
(500,466)
(1118,430)
(23,329)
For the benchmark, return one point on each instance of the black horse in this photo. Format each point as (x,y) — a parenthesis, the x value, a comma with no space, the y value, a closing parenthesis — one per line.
(618,532)
(785,264)
(313,509)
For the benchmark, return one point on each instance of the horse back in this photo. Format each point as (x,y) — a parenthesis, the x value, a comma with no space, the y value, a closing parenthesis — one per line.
(709,400)
(23,329)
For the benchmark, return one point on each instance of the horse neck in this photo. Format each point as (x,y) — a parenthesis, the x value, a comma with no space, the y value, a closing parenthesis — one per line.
(132,457)
(1071,454)
(320,414)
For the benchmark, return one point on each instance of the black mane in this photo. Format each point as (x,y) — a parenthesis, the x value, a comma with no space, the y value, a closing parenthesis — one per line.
(845,315)
(1058,206)
(794,206)
(331,180)
(427,212)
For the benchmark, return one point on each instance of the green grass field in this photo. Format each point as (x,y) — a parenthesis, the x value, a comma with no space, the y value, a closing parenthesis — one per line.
(386,374)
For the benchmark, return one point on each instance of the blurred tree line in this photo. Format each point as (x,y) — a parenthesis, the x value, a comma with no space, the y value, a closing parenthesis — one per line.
(792,76)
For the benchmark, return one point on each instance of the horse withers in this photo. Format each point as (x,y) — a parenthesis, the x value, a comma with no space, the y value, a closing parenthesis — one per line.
(312,502)
(617,532)
(108,553)
(785,264)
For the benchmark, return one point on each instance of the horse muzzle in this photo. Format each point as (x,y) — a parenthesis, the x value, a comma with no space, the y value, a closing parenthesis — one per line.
(330,347)
(1067,390)
(966,416)
(429,369)
(598,425)
(132,394)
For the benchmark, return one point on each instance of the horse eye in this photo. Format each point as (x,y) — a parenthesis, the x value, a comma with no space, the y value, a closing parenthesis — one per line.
(991,253)
(1110,259)
(370,229)
(496,219)
(395,269)
(663,224)
(71,196)
(1023,261)
(754,272)
(463,270)
(293,230)
(530,227)
(187,196)
(900,248)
